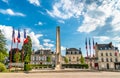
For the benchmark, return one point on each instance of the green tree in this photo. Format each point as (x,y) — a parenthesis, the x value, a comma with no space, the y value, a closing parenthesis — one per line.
(3,50)
(82,60)
(27,48)
(2,67)
(66,59)
(16,57)
(48,59)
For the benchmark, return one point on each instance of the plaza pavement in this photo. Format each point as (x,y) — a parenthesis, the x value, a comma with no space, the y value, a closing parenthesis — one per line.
(62,75)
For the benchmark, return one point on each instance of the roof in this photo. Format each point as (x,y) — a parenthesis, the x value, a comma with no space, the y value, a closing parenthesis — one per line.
(43,52)
(106,46)
(72,49)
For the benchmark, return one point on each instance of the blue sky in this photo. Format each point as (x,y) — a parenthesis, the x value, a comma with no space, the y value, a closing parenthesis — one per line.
(78,19)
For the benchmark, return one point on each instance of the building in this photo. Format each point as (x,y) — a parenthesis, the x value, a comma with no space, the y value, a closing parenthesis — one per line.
(43,57)
(73,55)
(107,56)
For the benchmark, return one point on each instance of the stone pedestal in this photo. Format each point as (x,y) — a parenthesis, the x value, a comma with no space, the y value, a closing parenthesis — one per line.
(58,49)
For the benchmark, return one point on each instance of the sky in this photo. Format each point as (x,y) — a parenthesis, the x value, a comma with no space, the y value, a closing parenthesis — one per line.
(78,20)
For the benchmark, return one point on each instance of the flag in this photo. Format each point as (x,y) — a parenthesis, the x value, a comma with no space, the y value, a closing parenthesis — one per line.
(86,47)
(25,38)
(89,44)
(93,44)
(90,47)
(86,43)
(13,36)
(18,37)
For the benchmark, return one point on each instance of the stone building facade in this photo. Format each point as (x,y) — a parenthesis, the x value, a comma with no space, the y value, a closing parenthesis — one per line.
(41,57)
(73,55)
(107,55)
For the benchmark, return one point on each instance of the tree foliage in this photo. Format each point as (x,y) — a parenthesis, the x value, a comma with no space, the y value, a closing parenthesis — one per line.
(2,67)
(66,59)
(48,59)
(16,57)
(27,48)
(82,60)
(3,50)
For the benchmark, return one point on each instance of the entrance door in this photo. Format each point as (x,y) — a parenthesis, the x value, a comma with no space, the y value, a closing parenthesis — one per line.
(107,66)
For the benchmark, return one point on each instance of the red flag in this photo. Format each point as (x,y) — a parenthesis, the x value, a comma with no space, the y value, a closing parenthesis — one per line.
(18,38)
(25,39)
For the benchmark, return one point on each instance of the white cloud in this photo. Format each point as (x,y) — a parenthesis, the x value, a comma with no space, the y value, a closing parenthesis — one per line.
(95,13)
(63,49)
(6,1)
(47,40)
(11,12)
(66,9)
(48,45)
(35,2)
(61,21)
(102,38)
(39,23)
(35,40)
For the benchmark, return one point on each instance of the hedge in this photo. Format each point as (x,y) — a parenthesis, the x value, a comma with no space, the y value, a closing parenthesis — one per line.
(27,67)
(41,65)
(75,66)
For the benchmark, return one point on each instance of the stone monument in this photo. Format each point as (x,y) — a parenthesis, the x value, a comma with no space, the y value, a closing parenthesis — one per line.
(58,50)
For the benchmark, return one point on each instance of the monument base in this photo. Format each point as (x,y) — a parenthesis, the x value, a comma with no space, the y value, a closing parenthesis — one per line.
(58,67)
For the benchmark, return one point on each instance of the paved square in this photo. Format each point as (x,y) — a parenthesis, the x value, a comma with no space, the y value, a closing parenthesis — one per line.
(62,75)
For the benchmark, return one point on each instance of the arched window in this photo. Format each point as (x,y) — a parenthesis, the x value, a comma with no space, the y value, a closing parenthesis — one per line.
(110,54)
(106,54)
(101,54)
(102,59)
(116,60)
(110,59)
(106,59)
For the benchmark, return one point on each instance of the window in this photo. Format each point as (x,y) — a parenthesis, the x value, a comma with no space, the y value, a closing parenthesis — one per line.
(110,54)
(77,58)
(75,52)
(101,54)
(110,59)
(69,59)
(106,59)
(102,59)
(116,60)
(106,54)
(66,52)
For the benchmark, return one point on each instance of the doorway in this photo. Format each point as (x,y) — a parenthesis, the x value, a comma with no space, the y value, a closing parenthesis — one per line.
(107,65)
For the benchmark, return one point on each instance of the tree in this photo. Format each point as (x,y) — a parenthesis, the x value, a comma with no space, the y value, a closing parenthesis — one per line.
(27,48)
(48,59)
(82,60)
(16,57)
(3,50)
(66,59)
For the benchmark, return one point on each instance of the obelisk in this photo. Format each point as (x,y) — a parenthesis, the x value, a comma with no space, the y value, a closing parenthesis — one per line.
(58,49)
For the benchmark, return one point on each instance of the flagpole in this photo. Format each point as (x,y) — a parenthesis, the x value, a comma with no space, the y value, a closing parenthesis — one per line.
(13,33)
(11,54)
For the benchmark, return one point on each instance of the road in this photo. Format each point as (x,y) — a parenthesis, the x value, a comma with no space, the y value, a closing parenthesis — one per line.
(62,75)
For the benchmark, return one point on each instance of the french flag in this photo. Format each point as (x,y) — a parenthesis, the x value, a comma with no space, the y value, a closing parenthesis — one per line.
(18,37)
